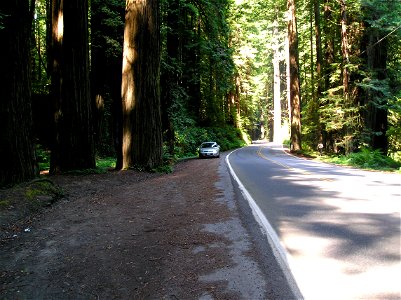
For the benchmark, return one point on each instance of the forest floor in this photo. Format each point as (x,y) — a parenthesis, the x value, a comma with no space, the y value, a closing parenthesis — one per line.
(133,235)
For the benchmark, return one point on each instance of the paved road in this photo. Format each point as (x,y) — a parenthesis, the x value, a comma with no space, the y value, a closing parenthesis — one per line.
(338,228)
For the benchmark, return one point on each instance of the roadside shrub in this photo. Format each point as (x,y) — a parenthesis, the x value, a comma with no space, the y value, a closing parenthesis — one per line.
(43,157)
(372,159)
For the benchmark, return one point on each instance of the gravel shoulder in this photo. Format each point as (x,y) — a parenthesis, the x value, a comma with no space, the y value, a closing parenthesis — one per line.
(131,235)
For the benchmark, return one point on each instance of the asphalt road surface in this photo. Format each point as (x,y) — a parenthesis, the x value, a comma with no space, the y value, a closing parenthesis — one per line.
(336,229)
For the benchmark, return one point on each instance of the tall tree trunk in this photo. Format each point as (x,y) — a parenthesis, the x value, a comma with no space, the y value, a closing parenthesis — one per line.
(375,50)
(328,139)
(142,128)
(295,91)
(288,77)
(329,44)
(319,55)
(73,148)
(276,90)
(345,75)
(237,101)
(344,51)
(319,63)
(17,154)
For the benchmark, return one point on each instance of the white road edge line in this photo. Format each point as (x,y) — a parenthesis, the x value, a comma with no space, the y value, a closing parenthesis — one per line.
(279,252)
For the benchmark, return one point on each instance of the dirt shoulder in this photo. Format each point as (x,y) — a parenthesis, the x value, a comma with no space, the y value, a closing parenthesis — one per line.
(131,235)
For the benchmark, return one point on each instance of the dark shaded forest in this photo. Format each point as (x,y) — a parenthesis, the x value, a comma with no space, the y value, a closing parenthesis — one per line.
(145,82)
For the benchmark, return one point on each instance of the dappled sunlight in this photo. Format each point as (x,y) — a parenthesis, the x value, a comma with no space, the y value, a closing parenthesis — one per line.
(378,206)
(339,226)
(99,102)
(127,145)
(316,263)
(59,28)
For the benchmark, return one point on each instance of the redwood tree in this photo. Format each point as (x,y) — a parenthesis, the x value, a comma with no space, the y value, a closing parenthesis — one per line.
(295,92)
(17,148)
(73,147)
(142,128)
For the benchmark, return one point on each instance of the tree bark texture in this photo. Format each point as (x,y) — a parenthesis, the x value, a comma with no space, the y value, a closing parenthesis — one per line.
(295,90)
(18,162)
(348,103)
(142,127)
(73,148)
(328,44)
(319,64)
(319,55)
(344,51)
(276,89)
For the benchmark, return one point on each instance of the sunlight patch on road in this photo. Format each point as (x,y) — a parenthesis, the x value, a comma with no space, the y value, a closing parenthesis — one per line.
(317,271)
(379,206)
(297,170)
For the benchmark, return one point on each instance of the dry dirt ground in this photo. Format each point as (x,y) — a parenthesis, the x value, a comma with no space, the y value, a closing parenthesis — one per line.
(132,235)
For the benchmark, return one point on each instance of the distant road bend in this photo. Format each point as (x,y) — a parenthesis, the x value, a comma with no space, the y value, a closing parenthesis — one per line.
(337,229)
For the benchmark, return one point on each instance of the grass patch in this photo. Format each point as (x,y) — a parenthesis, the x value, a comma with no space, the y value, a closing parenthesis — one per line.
(105,163)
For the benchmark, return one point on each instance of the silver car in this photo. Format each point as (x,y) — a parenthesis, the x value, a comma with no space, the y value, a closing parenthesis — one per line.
(209,149)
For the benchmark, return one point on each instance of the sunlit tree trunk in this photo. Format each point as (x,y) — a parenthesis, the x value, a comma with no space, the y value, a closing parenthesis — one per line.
(237,101)
(295,92)
(319,54)
(287,76)
(276,90)
(319,63)
(346,75)
(142,127)
(328,44)
(328,139)
(17,153)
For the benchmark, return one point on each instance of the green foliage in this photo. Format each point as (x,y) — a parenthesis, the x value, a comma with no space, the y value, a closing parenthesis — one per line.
(394,131)
(43,157)
(107,25)
(2,16)
(39,51)
(366,159)
(105,163)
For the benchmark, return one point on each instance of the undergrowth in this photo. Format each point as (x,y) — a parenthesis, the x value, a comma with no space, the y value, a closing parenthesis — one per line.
(366,159)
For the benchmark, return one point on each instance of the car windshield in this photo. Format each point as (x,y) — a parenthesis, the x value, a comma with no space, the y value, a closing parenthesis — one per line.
(207,145)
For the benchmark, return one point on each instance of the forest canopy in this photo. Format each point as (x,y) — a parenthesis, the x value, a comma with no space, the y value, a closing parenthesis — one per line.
(145,82)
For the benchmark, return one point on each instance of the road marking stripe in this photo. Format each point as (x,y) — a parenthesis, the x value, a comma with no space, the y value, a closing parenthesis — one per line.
(260,154)
(279,251)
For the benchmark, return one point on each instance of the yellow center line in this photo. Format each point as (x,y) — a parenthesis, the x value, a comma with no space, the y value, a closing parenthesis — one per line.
(261,155)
